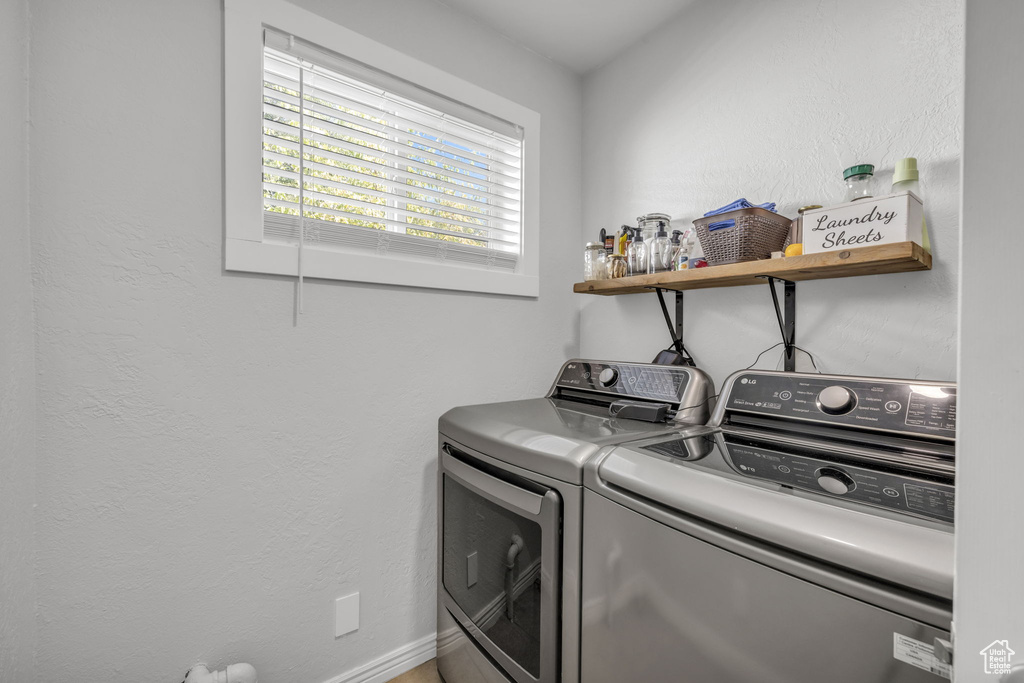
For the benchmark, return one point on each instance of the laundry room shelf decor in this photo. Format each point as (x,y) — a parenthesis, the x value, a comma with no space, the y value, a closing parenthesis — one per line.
(900,257)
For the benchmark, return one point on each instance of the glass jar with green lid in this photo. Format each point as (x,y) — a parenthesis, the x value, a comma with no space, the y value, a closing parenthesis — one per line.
(859,180)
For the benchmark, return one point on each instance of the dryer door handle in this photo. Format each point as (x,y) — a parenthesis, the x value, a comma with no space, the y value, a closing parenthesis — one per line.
(501,492)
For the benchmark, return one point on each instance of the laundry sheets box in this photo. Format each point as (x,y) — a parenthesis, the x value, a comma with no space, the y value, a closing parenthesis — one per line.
(864,223)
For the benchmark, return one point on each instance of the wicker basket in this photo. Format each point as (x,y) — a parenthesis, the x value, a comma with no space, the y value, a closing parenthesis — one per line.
(757,233)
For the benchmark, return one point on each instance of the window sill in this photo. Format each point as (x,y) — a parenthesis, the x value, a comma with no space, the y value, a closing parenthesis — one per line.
(282,259)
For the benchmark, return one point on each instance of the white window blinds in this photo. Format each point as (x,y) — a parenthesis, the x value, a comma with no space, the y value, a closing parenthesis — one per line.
(386,167)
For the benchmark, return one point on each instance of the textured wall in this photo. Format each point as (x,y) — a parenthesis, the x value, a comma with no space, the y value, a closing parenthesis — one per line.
(17,376)
(771,101)
(989,595)
(212,477)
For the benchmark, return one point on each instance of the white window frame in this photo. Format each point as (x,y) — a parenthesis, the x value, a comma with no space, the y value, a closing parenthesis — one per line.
(245,249)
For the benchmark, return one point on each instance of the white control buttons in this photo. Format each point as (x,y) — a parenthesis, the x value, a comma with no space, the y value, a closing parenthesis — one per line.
(836,400)
(893,406)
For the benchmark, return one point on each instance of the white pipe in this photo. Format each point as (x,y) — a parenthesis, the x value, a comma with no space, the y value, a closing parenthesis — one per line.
(510,566)
(235,673)
(513,551)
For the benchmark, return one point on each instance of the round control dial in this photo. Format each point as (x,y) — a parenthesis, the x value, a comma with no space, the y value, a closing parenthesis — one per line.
(836,400)
(834,480)
(608,377)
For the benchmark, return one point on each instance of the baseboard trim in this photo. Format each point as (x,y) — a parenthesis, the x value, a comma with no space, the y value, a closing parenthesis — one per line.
(393,664)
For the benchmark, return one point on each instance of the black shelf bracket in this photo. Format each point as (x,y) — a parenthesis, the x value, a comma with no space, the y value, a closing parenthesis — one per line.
(679,314)
(786,315)
(675,330)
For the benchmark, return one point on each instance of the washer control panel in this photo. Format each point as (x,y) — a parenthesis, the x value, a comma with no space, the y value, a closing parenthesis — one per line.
(928,408)
(665,383)
(873,487)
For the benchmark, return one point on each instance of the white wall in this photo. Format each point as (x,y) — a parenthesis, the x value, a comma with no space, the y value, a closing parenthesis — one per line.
(989,595)
(211,477)
(771,101)
(17,367)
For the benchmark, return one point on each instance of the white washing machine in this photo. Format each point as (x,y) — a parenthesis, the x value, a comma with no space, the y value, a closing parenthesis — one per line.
(510,487)
(804,535)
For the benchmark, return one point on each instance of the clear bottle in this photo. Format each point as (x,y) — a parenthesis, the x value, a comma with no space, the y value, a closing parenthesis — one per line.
(682,256)
(637,255)
(859,180)
(907,179)
(661,250)
(697,259)
(676,234)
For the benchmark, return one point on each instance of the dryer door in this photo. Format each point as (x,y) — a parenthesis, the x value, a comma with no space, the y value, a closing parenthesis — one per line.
(500,564)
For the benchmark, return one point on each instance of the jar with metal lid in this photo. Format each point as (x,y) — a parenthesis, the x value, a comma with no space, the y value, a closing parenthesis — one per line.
(648,225)
(617,266)
(595,262)
(796,228)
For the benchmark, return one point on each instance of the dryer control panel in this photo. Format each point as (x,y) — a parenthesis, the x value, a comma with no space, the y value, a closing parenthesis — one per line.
(913,408)
(630,380)
(687,392)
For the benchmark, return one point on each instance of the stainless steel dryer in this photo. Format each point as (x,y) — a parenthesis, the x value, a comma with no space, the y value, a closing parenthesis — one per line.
(510,508)
(804,535)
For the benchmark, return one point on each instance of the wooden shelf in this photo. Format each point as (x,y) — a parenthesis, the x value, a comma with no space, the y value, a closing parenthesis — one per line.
(901,257)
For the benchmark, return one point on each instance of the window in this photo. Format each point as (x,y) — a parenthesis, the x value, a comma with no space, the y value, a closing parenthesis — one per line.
(408,175)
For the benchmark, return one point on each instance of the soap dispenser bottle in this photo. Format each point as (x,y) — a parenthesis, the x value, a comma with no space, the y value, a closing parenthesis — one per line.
(661,251)
(676,234)
(637,254)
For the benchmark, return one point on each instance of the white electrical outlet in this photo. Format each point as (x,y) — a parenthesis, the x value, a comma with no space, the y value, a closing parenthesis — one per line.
(346,615)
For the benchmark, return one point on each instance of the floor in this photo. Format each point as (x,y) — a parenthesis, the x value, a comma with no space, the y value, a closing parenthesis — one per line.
(424,673)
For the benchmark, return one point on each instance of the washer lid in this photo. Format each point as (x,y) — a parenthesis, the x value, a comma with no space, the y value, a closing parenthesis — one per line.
(906,552)
(553,437)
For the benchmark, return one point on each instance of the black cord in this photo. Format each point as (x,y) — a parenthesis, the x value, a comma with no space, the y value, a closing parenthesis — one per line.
(775,346)
(809,355)
(676,412)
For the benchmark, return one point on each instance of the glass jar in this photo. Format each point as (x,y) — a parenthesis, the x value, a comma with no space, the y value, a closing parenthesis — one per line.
(859,180)
(796,228)
(648,225)
(595,262)
(617,266)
